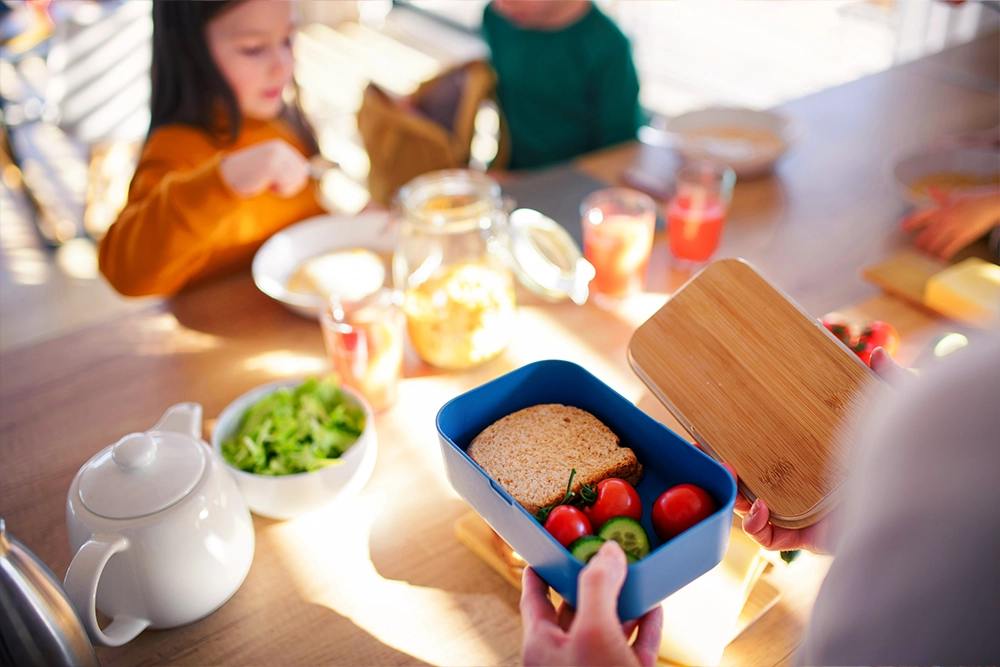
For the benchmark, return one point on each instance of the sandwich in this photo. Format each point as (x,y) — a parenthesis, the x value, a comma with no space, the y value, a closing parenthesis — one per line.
(531,453)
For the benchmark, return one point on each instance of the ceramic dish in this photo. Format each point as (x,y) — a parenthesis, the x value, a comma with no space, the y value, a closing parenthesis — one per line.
(286,251)
(907,171)
(667,461)
(725,125)
(287,496)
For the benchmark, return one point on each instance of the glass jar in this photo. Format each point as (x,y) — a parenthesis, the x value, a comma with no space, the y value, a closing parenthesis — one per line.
(458,292)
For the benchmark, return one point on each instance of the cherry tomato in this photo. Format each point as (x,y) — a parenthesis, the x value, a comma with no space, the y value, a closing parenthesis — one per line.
(881,334)
(839,327)
(864,351)
(615,497)
(680,508)
(567,524)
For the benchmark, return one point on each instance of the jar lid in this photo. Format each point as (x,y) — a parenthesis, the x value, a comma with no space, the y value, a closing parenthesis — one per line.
(546,259)
(141,474)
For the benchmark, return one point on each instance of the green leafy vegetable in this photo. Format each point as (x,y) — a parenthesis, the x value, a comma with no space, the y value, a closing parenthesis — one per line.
(296,430)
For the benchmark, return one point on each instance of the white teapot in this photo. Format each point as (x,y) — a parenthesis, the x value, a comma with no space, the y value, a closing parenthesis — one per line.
(160,533)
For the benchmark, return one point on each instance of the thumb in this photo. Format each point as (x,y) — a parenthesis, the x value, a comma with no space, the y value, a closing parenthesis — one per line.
(887,369)
(600,583)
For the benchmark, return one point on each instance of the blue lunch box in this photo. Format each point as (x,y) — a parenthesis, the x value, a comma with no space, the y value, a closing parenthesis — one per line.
(667,460)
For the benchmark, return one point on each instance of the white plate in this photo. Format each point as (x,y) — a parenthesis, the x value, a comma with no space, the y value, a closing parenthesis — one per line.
(283,253)
(789,130)
(960,160)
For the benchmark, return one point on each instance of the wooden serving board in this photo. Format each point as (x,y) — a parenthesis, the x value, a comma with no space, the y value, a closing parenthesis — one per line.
(758,383)
(907,272)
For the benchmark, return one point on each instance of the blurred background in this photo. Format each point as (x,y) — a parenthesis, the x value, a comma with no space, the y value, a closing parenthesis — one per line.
(74,93)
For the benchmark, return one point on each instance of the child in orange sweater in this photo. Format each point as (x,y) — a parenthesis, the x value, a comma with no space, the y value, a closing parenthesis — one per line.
(225,163)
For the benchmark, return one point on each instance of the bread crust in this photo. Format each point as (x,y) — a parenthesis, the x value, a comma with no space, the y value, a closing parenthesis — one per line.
(531,452)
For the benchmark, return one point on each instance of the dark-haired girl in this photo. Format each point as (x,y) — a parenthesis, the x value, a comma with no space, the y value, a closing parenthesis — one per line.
(225,162)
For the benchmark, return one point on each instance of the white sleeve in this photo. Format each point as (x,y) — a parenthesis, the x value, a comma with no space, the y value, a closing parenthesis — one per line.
(916,579)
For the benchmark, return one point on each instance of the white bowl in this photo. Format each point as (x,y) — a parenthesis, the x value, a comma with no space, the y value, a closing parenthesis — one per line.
(909,169)
(760,162)
(283,253)
(287,496)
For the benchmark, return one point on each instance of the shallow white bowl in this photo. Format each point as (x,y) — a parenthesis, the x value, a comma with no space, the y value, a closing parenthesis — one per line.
(760,163)
(283,253)
(909,169)
(287,496)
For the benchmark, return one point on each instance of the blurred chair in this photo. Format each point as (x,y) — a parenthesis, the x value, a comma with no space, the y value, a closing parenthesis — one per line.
(435,128)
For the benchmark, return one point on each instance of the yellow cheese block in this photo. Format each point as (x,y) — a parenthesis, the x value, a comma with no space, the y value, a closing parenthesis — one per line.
(698,620)
(968,291)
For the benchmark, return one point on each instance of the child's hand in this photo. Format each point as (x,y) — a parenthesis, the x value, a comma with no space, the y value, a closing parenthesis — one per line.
(270,165)
(948,227)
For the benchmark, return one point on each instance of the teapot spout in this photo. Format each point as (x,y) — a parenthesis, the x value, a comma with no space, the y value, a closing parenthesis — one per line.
(182,418)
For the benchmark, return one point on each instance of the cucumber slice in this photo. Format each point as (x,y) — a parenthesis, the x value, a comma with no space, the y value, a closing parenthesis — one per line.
(630,558)
(628,533)
(585,547)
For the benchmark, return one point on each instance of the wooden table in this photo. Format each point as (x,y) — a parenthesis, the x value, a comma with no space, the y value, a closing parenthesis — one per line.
(380,579)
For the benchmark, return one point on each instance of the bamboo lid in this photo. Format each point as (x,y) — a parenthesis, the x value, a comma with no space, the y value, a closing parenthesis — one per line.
(758,383)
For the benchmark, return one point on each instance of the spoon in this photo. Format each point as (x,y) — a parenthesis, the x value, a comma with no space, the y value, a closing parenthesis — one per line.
(319,166)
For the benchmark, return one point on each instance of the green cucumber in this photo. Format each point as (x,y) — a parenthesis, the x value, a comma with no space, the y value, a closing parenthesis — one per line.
(585,547)
(630,558)
(628,533)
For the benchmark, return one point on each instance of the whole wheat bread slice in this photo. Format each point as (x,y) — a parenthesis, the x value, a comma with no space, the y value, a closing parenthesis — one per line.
(531,452)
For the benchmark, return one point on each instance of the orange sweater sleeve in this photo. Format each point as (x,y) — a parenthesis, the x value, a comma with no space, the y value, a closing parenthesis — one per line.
(162,237)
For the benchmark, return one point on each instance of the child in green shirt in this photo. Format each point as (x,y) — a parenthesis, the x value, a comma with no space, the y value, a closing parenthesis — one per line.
(566,81)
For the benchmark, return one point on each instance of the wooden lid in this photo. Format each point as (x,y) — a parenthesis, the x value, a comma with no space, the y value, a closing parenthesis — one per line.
(758,383)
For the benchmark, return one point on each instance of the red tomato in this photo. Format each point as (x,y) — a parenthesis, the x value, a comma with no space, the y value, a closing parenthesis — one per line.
(615,497)
(839,327)
(881,334)
(567,524)
(680,508)
(864,350)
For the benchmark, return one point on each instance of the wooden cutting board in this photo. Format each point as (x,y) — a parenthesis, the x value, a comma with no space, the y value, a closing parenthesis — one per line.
(758,383)
(905,274)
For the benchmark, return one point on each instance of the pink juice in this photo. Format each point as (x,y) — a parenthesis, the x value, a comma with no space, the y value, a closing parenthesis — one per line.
(694,225)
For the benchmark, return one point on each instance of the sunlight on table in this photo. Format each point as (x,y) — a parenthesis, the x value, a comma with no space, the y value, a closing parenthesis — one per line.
(287,363)
(163,335)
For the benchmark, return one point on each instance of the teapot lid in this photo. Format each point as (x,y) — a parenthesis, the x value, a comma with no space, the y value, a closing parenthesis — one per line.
(141,474)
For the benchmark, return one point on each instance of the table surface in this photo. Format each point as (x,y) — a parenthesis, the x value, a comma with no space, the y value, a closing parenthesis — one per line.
(380,578)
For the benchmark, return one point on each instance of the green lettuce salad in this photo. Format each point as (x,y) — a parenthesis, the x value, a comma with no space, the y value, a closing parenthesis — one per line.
(295,430)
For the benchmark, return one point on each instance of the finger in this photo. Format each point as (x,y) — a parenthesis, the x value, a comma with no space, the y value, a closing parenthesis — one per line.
(293,177)
(887,369)
(919,219)
(536,607)
(946,234)
(952,247)
(647,643)
(933,237)
(600,583)
(742,505)
(565,616)
(757,524)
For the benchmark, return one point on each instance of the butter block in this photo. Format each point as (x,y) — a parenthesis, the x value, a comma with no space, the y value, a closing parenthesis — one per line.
(968,291)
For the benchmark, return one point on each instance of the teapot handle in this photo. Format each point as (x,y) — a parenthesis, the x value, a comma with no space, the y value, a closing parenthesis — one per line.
(183,418)
(81,586)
